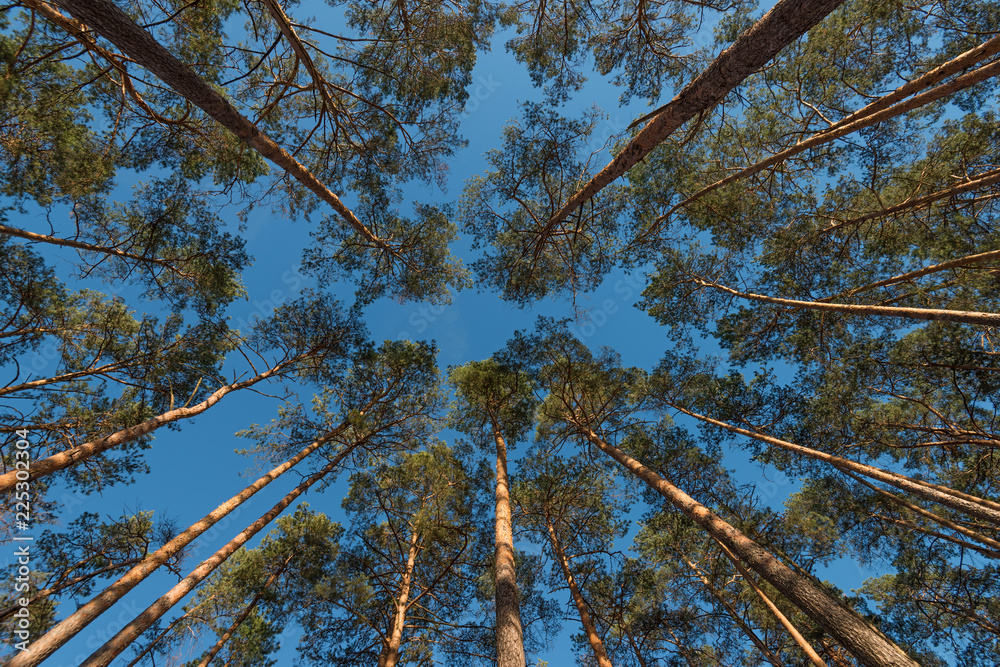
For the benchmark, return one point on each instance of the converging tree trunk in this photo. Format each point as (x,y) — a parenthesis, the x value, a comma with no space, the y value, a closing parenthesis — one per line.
(70,457)
(859,637)
(121,641)
(889,106)
(596,645)
(117,27)
(510,637)
(934,314)
(956,500)
(784,23)
(62,632)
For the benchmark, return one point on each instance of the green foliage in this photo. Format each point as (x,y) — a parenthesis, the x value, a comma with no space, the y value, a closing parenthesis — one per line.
(508,210)
(492,398)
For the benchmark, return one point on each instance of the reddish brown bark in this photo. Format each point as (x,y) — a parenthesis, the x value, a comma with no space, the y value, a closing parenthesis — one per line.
(44,646)
(783,24)
(234,626)
(863,640)
(70,457)
(118,28)
(510,636)
(777,613)
(596,645)
(733,614)
(889,106)
(390,651)
(121,641)
(933,314)
(963,502)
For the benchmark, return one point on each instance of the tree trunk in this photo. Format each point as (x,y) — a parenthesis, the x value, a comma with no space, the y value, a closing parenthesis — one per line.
(510,637)
(773,608)
(783,24)
(118,28)
(121,641)
(889,106)
(992,552)
(962,502)
(961,262)
(69,457)
(864,641)
(933,314)
(390,652)
(747,630)
(600,655)
(66,629)
(79,245)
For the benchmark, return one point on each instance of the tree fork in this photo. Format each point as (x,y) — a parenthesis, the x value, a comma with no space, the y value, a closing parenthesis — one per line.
(390,651)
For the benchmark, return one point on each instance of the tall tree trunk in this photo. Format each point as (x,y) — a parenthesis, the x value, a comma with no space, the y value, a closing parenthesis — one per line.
(889,106)
(933,314)
(978,507)
(66,377)
(863,640)
(994,545)
(733,614)
(118,28)
(156,640)
(510,637)
(121,641)
(390,652)
(773,608)
(234,626)
(588,624)
(66,629)
(72,456)
(783,24)
(981,181)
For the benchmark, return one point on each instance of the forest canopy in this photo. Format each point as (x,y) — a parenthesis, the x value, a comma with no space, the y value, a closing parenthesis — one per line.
(801,192)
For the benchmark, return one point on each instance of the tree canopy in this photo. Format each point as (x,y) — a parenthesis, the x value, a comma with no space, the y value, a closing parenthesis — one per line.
(799,203)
